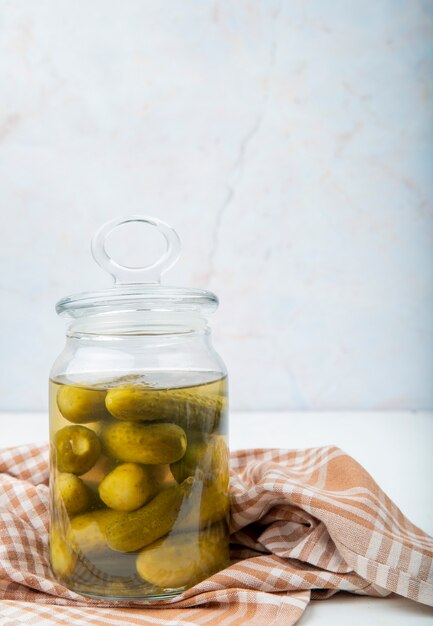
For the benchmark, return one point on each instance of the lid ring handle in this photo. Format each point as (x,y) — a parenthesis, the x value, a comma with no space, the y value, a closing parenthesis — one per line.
(129,275)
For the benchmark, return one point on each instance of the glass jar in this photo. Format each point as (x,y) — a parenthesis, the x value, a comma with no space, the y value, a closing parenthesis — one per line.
(138,431)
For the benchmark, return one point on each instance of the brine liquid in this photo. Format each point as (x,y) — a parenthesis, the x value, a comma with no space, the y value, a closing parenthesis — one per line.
(147,435)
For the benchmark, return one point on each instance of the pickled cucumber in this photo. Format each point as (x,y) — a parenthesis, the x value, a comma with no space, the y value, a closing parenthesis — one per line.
(87,532)
(188,410)
(62,557)
(152,521)
(128,487)
(183,560)
(205,505)
(73,493)
(103,466)
(211,457)
(77,449)
(150,444)
(80,406)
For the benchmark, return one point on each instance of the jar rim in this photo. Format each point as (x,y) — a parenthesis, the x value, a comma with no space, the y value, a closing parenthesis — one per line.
(137,298)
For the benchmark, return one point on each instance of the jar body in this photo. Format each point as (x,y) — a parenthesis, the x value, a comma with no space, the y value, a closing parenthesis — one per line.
(139,458)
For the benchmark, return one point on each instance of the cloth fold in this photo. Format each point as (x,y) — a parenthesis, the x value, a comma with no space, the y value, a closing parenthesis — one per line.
(305,524)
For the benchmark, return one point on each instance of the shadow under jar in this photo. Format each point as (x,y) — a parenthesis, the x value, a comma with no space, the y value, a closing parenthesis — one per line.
(138,431)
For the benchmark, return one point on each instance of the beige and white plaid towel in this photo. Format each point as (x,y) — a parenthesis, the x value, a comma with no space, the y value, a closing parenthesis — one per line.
(305,524)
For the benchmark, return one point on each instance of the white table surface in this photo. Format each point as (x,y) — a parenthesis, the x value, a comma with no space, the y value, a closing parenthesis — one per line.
(395,447)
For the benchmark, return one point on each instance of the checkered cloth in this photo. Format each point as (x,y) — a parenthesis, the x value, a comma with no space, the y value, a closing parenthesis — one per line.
(305,524)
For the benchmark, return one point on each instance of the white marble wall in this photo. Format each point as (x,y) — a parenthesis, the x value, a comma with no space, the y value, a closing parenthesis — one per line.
(290,143)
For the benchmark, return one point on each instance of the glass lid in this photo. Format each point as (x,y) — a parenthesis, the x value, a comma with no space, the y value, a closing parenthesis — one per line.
(137,288)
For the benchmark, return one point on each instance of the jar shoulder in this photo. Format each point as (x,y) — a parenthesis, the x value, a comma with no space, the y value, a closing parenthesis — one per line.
(92,359)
